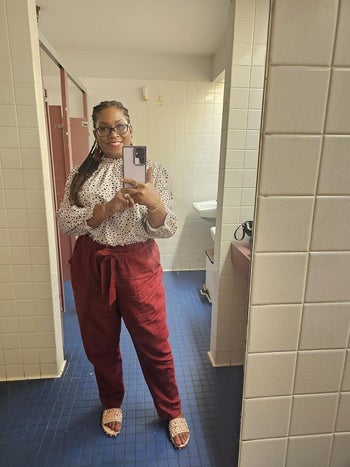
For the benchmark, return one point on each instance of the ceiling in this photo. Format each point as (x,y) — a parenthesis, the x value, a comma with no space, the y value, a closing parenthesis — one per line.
(181,27)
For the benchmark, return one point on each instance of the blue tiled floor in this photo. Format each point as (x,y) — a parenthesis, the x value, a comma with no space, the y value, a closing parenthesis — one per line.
(55,422)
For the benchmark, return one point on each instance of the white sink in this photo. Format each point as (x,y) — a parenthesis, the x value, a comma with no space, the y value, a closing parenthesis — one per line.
(206,209)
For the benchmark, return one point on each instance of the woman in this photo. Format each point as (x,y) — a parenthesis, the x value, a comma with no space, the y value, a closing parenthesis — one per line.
(116,272)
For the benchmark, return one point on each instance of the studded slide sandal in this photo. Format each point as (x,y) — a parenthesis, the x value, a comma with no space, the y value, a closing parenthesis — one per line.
(178,426)
(110,416)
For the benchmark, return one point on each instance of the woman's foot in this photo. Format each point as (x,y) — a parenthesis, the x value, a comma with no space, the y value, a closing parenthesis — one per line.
(111,422)
(179,432)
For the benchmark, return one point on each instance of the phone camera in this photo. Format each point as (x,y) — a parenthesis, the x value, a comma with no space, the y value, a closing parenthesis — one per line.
(140,155)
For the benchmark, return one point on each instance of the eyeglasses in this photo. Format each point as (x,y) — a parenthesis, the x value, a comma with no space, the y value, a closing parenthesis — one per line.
(105,131)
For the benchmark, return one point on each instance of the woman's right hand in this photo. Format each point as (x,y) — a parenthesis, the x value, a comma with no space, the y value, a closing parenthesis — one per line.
(120,202)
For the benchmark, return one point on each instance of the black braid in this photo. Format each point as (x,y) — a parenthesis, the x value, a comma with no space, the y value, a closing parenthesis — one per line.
(91,163)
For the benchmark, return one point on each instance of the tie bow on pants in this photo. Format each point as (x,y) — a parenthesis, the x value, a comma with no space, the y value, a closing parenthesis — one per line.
(124,282)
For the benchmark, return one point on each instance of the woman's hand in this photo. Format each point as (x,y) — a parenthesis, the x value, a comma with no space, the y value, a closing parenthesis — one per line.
(118,203)
(142,192)
(146,194)
(101,212)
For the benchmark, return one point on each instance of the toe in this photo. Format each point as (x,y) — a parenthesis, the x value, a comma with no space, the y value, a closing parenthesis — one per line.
(114,426)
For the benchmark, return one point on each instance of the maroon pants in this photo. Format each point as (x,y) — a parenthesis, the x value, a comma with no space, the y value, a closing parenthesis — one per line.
(111,283)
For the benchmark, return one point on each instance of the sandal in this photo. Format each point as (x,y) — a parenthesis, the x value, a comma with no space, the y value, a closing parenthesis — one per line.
(178,426)
(109,416)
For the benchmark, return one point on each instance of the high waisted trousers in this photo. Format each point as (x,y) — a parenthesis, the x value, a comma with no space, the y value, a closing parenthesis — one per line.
(124,282)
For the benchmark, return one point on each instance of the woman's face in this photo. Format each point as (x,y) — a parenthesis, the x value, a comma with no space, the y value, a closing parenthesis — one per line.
(112,145)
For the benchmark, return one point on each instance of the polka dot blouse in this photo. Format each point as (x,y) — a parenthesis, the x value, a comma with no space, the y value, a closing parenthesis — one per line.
(121,228)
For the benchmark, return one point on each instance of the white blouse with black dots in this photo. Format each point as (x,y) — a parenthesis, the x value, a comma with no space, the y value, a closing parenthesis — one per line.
(121,228)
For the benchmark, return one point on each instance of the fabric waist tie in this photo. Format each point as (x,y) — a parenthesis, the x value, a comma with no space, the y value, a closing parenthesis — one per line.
(108,267)
(108,259)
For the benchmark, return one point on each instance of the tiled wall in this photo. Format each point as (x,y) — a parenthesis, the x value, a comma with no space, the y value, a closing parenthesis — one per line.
(30,320)
(296,408)
(181,126)
(244,81)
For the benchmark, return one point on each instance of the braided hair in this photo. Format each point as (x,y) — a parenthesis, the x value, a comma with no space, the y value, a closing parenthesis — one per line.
(93,159)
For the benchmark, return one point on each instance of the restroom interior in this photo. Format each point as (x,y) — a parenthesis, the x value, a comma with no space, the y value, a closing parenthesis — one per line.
(303,170)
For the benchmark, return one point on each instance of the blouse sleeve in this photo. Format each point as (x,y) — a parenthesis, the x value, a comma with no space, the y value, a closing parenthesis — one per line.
(71,218)
(164,186)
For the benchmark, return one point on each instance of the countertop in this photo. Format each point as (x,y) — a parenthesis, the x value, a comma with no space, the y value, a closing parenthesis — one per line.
(240,256)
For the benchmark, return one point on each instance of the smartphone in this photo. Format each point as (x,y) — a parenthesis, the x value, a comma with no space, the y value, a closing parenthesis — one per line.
(134,163)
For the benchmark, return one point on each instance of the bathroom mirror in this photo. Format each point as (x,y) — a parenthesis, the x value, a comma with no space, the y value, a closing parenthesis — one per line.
(207,113)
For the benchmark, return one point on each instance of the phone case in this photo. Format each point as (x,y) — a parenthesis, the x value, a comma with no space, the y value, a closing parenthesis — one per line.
(134,163)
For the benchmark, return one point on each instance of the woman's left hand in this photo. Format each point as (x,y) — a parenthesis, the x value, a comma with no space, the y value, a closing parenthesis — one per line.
(143,192)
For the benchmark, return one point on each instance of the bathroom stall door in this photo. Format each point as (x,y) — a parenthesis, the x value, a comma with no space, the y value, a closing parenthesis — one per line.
(59,175)
(79,139)
(79,150)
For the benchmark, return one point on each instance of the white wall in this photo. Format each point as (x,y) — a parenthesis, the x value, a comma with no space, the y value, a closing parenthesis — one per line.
(30,320)
(296,407)
(181,126)
(244,81)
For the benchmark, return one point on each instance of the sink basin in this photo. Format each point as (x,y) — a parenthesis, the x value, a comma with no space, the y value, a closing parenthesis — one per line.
(206,209)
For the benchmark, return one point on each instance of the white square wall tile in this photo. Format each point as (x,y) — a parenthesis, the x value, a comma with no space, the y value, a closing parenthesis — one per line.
(309,451)
(237,119)
(328,277)
(251,159)
(240,77)
(247,197)
(10,341)
(8,115)
(14,372)
(4,43)
(9,137)
(342,51)
(338,112)
(319,371)
(11,158)
(346,377)
(302,32)
(269,374)
(242,54)
(340,452)
(302,109)
(255,98)
(289,165)
(335,166)
(31,370)
(252,139)
(330,232)
(249,178)
(257,77)
(7,94)
(244,10)
(343,418)
(313,414)
(278,278)
(265,418)
(13,356)
(254,119)
(19,29)
(325,326)
(243,31)
(273,328)
(263,453)
(287,223)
